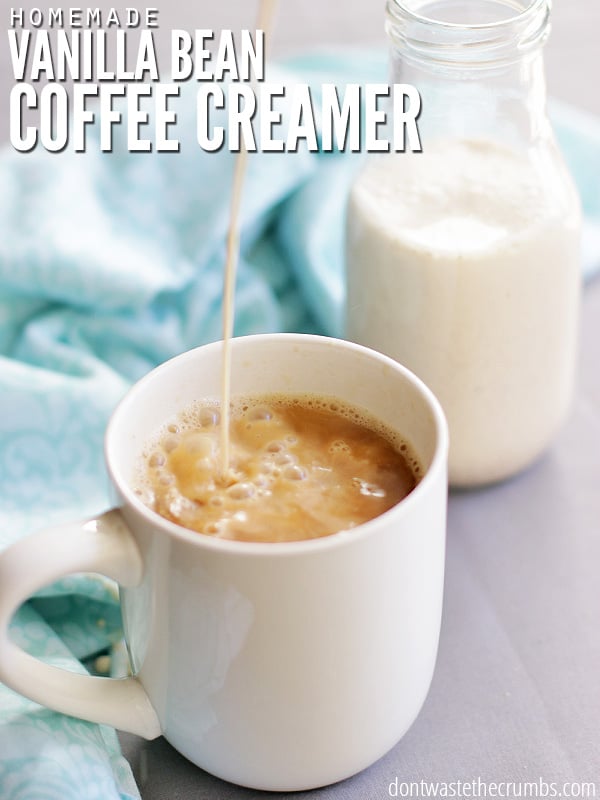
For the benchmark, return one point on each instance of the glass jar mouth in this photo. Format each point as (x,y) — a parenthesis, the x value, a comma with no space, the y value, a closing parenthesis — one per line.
(527,11)
(490,41)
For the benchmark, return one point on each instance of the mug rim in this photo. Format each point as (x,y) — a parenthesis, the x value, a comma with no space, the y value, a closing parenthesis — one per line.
(287,548)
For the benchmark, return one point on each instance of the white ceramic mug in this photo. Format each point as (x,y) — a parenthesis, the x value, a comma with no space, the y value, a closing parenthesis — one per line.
(279,666)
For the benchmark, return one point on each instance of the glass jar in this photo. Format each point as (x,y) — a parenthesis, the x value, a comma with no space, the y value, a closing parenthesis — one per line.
(463,260)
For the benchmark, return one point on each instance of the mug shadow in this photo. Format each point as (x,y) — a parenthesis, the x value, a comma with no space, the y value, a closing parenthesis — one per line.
(162,773)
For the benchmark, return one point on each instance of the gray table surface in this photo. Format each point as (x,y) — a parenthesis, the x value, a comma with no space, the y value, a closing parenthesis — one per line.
(516,692)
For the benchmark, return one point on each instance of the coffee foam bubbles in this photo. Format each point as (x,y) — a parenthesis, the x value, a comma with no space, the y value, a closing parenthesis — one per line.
(300,466)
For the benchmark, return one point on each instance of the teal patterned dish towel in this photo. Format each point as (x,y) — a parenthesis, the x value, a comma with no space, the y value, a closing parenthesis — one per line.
(110,264)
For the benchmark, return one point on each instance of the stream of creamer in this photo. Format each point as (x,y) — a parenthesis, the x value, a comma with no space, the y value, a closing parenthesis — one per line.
(266,14)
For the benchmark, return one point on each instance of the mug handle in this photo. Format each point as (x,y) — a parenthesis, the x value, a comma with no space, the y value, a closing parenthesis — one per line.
(104,545)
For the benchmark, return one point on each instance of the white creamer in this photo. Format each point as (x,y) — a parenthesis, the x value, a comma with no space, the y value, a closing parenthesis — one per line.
(463,264)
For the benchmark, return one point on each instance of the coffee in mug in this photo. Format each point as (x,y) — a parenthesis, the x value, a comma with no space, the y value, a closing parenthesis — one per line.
(300,467)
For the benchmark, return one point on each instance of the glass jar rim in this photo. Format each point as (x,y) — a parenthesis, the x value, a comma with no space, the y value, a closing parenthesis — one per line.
(479,45)
(530,10)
